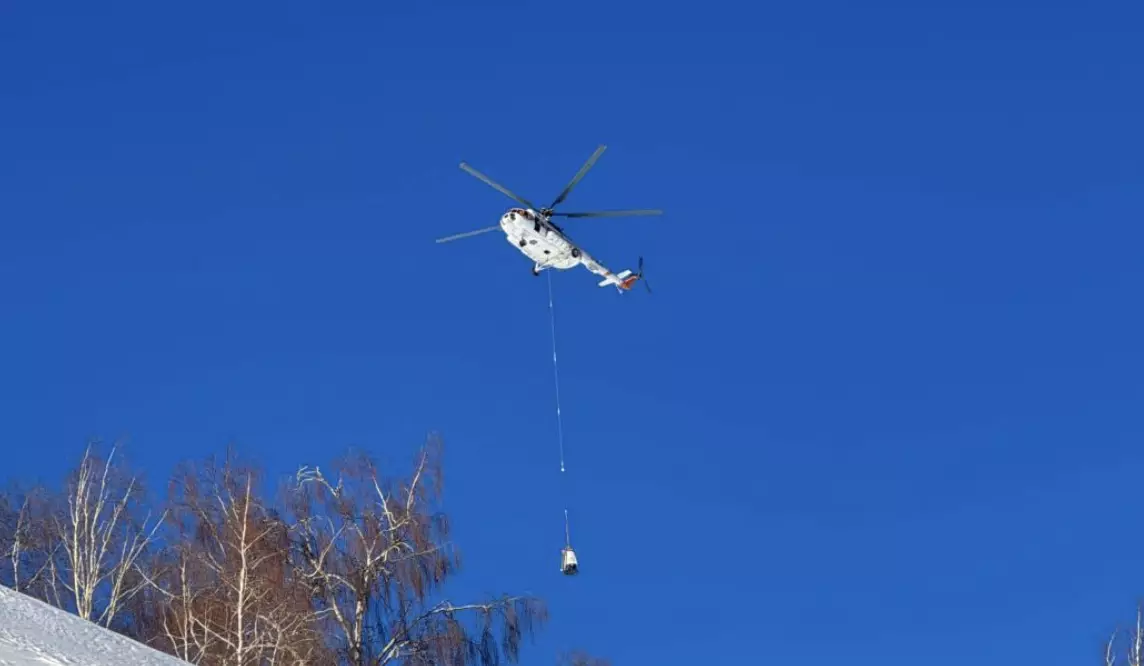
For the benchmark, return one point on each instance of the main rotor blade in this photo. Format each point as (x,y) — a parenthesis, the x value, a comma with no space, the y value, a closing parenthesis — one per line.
(610,213)
(497,186)
(466,234)
(579,174)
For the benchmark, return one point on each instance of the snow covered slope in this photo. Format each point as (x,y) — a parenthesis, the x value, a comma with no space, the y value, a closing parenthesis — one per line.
(32,633)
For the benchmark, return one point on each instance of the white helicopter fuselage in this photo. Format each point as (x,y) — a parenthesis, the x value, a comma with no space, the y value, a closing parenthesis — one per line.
(538,240)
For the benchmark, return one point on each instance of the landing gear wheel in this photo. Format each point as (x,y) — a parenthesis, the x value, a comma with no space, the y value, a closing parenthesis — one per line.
(575,253)
(535,272)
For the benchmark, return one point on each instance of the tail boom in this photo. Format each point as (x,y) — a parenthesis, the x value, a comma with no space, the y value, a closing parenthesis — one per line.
(622,281)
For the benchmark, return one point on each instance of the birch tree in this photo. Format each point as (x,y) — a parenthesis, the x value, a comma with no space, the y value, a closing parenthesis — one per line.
(101,539)
(230,597)
(1133,651)
(29,545)
(10,543)
(376,553)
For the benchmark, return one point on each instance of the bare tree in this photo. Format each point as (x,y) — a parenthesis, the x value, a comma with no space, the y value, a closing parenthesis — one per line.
(10,543)
(351,572)
(1135,649)
(376,550)
(230,596)
(101,539)
(31,549)
(179,612)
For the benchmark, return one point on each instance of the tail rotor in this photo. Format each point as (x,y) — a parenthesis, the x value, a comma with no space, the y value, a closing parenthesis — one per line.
(640,274)
(628,278)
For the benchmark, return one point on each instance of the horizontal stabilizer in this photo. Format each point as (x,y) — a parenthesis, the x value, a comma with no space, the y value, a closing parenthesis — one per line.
(618,278)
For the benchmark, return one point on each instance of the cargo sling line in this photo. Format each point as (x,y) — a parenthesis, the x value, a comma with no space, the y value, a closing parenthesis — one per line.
(556,373)
(568,564)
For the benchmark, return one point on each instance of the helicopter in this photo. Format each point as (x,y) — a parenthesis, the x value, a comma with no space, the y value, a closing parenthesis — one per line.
(533,232)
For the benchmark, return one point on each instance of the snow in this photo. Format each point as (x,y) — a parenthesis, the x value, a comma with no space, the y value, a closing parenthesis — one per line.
(33,633)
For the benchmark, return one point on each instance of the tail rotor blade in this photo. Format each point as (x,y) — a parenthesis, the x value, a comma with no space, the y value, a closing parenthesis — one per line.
(497,186)
(642,278)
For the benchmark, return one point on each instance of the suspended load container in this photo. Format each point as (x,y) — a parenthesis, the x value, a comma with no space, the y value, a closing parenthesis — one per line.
(568,563)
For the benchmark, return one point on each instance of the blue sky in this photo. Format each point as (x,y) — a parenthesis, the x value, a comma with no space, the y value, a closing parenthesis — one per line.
(885,399)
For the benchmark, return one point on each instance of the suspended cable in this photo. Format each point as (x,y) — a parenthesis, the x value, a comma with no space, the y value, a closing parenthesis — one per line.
(556,373)
(568,564)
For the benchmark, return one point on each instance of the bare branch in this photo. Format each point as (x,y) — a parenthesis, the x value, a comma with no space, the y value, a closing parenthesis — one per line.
(376,549)
(347,568)
(235,600)
(100,540)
